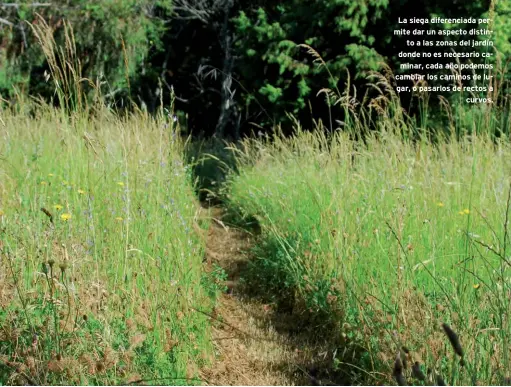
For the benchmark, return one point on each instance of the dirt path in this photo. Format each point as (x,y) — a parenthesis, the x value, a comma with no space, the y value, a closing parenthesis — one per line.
(250,348)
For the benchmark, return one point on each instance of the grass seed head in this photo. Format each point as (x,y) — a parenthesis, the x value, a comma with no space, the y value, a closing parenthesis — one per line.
(417,372)
(453,339)
(398,370)
(100,367)
(440,381)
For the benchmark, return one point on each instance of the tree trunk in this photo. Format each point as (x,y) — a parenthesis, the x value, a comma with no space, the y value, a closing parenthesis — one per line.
(226,100)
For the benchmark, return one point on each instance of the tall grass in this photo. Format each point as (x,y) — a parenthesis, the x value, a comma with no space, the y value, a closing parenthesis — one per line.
(101,249)
(101,262)
(389,238)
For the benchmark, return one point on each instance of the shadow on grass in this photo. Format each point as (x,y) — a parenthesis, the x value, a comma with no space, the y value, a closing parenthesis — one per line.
(334,359)
(338,359)
(210,161)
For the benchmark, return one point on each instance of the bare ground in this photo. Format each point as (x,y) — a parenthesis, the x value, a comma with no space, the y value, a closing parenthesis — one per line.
(254,345)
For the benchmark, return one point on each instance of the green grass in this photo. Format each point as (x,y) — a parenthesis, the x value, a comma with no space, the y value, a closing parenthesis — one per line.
(104,291)
(377,243)
(389,245)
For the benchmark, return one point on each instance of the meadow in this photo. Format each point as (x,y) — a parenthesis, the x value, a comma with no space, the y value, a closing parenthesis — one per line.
(386,238)
(101,252)
(379,242)
(393,248)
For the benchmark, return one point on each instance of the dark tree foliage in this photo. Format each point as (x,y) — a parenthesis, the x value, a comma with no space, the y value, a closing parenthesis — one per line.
(101,29)
(234,66)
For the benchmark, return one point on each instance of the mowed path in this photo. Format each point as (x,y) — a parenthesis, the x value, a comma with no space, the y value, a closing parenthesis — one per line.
(249,349)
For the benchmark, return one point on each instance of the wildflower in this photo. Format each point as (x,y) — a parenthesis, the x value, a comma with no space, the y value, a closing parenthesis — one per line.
(461,213)
(120,183)
(65,217)
(44,183)
(58,207)
(81,191)
(466,211)
(440,204)
(477,286)
(50,175)
(119,219)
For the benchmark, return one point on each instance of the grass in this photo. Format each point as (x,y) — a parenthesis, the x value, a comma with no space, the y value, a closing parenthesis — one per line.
(101,275)
(382,241)
(101,252)
(391,243)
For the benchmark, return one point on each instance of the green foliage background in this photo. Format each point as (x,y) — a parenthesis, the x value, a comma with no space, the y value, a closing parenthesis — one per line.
(101,29)
(142,48)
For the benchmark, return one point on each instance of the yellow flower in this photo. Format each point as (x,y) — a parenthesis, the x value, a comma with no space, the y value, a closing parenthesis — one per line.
(50,175)
(466,211)
(44,183)
(119,219)
(477,286)
(440,204)
(81,191)
(120,183)
(58,207)
(461,213)
(65,217)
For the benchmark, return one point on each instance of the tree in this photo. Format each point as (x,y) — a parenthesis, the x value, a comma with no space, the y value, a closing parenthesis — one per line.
(112,40)
(281,75)
(216,13)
